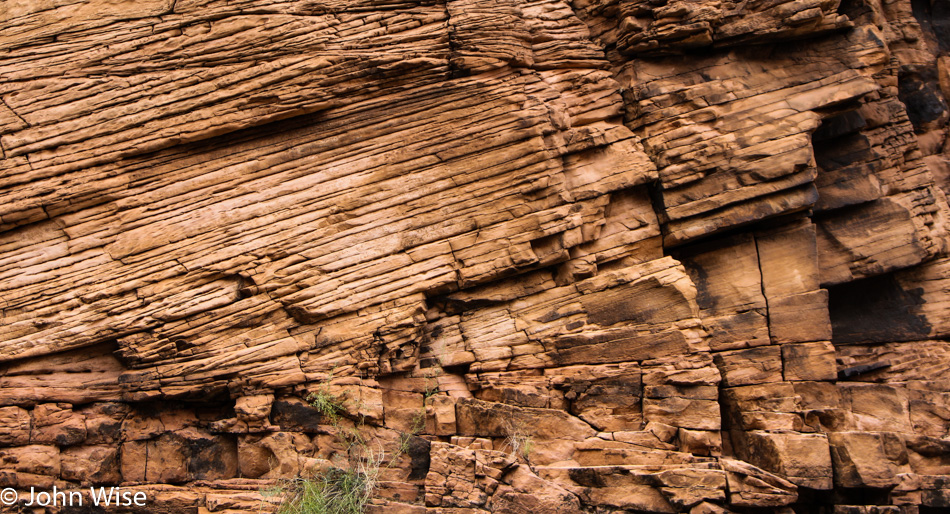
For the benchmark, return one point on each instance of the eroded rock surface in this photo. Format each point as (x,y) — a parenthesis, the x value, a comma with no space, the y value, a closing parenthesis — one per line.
(548,256)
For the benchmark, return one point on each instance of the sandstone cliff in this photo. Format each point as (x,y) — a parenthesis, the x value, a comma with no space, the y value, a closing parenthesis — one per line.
(542,256)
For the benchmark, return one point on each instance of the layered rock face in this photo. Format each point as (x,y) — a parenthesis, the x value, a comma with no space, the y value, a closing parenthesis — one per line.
(548,256)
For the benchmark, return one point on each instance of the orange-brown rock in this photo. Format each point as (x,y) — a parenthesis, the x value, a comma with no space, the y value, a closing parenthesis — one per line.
(527,256)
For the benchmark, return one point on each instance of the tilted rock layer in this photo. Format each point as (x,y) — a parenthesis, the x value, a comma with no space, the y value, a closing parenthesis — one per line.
(548,256)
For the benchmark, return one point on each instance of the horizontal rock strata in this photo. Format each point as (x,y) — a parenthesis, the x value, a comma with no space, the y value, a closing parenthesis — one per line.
(532,255)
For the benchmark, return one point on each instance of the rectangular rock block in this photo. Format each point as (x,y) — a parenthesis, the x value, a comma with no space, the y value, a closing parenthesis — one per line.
(809,361)
(749,367)
(877,407)
(803,459)
(788,258)
(684,413)
(860,460)
(800,318)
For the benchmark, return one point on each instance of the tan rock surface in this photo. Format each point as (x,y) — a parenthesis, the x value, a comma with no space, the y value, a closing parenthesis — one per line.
(531,255)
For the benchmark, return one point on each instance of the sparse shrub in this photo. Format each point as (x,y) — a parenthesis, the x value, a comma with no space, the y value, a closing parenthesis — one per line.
(327,404)
(431,388)
(416,428)
(518,438)
(346,489)
(419,421)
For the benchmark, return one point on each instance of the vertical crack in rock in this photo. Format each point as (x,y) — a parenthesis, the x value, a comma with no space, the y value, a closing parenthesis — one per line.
(762,282)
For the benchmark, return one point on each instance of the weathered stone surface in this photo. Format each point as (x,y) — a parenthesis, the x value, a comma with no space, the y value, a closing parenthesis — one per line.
(272,456)
(809,361)
(803,459)
(862,459)
(729,286)
(16,426)
(752,366)
(518,256)
(749,485)
(57,423)
(91,464)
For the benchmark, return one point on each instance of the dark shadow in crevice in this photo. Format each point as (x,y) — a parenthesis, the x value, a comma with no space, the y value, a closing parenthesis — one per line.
(876,309)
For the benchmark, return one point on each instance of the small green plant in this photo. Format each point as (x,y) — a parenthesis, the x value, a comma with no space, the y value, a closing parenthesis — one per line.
(327,404)
(402,446)
(518,438)
(419,421)
(431,389)
(351,437)
(333,407)
(417,425)
(345,489)
(334,491)
(274,491)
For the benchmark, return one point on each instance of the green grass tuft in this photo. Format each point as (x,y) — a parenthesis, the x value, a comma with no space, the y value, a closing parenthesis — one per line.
(334,491)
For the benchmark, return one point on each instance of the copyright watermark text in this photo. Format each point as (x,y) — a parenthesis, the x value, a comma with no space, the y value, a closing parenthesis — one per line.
(98,496)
